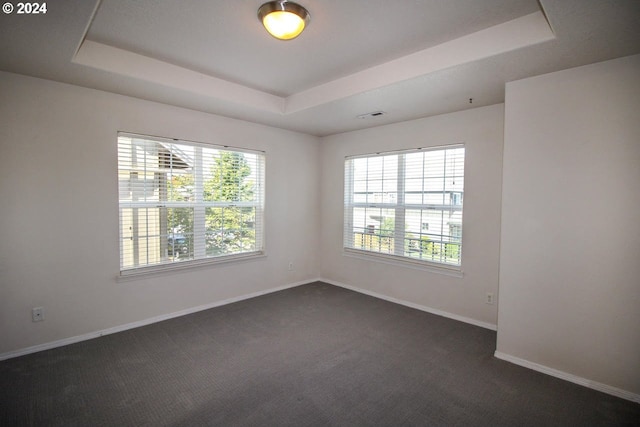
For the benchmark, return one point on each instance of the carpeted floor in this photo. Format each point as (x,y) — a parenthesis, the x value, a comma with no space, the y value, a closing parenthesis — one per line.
(315,355)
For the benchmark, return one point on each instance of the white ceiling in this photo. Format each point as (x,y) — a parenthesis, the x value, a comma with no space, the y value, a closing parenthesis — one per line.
(414,59)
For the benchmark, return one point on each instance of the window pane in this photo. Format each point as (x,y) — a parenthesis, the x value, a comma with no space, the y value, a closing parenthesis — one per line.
(425,223)
(434,235)
(413,191)
(230,230)
(182,201)
(229,176)
(373,229)
(360,191)
(414,165)
(179,246)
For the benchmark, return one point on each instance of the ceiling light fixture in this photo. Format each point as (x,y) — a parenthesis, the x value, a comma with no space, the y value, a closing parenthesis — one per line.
(283,19)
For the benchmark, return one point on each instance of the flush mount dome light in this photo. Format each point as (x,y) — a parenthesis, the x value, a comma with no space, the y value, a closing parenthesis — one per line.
(283,19)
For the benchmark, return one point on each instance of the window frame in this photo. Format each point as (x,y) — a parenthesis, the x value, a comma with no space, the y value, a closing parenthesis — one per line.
(199,208)
(400,234)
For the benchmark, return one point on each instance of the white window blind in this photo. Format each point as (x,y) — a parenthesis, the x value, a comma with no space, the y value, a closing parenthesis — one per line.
(183,202)
(406,205)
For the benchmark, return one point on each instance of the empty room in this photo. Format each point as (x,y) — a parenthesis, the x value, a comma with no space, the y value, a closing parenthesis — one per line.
(320,213)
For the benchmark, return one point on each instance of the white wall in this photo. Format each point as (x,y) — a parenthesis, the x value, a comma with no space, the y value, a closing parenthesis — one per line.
(59,211)
(481,129)
(570,249)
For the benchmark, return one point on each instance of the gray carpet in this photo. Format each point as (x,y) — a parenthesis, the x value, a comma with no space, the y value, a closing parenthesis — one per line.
(315,355)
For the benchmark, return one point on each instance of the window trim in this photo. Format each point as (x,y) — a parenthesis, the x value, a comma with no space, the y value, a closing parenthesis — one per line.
(455,270)
(132,273)
(402,261)
(185,266)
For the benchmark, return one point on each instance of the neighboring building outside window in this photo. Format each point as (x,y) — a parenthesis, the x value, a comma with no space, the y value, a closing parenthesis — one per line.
(406,205)
(182,203)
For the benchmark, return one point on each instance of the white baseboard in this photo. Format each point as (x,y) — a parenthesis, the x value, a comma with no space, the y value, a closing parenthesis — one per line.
(414,305)
(614,391)
(144,322)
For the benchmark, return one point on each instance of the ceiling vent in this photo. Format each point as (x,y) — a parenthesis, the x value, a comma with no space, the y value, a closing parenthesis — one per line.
(372,114)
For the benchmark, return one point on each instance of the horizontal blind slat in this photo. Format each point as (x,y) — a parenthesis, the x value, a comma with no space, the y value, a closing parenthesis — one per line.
(406,203)
(182,201)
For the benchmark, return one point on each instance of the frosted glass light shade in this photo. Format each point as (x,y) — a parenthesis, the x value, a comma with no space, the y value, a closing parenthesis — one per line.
(284,20)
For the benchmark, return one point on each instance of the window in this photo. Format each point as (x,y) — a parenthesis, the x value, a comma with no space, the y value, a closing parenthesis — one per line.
(406,205)
(184,202)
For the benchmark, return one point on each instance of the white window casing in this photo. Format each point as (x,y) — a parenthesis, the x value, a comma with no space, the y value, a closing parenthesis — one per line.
(184,203)
(389,197)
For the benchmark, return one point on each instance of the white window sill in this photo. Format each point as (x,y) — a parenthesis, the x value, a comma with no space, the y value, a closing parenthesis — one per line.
(447,270)
(184,266)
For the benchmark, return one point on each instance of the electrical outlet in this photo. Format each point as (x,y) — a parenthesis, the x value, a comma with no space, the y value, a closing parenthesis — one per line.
(37,314)
(290,265)
(489,299)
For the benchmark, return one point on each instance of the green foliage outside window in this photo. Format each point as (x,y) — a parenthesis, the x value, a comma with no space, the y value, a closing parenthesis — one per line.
(229,229)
